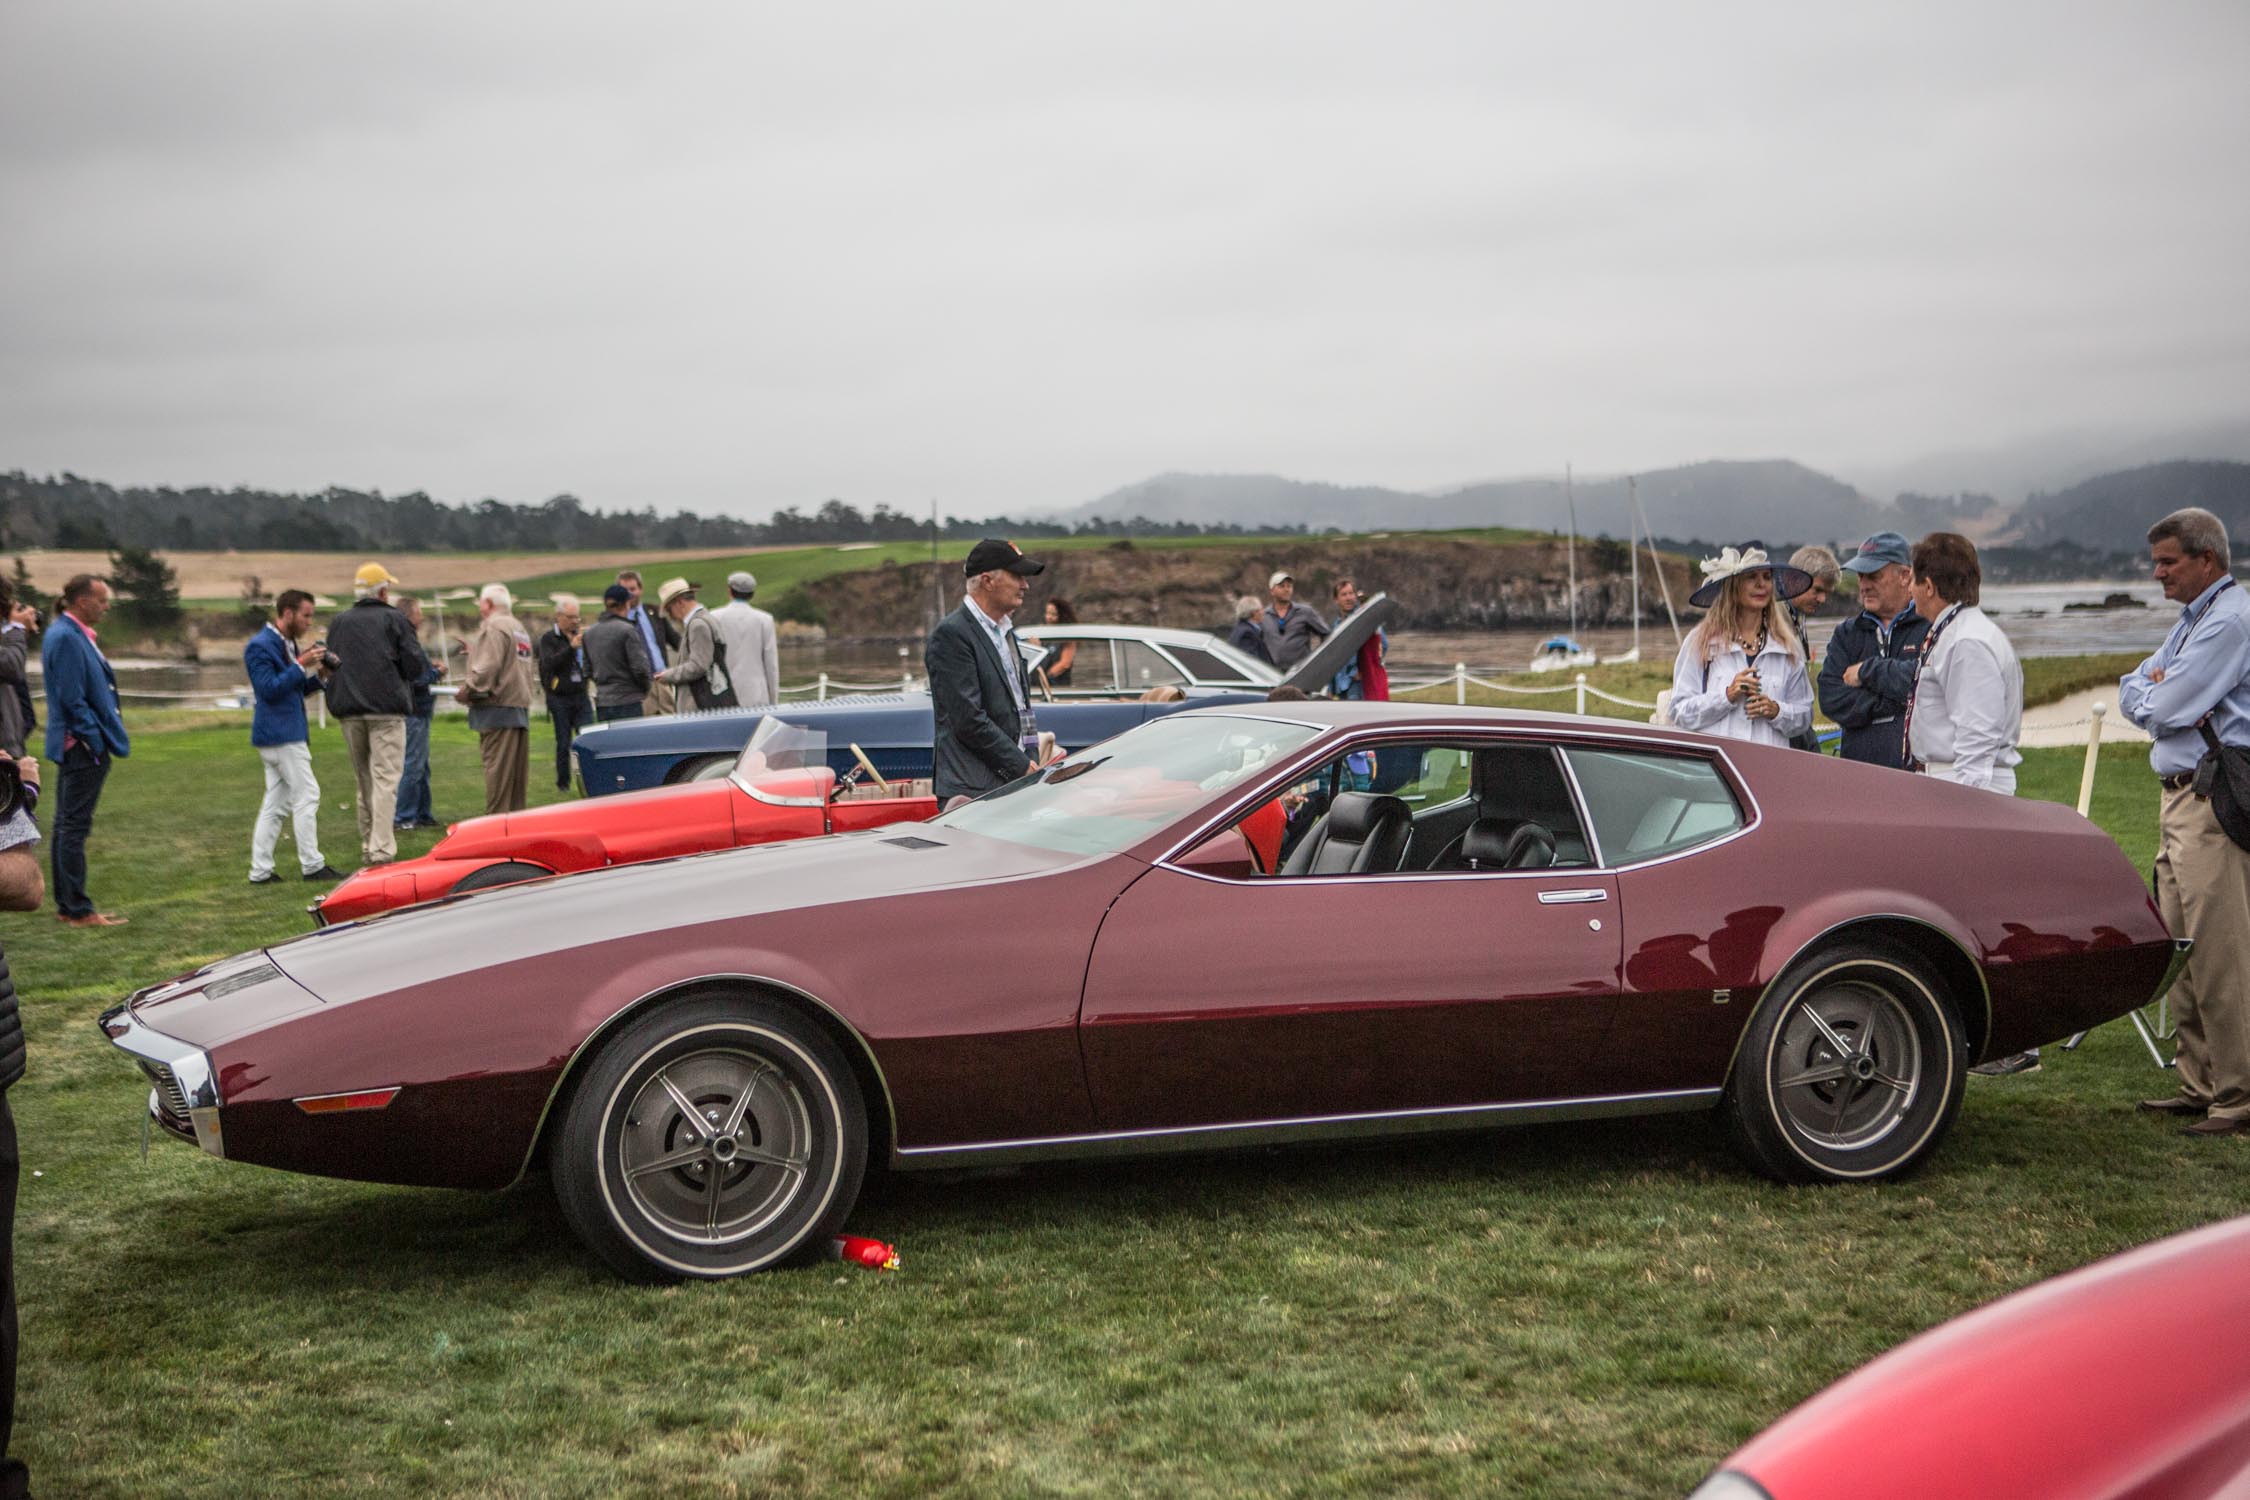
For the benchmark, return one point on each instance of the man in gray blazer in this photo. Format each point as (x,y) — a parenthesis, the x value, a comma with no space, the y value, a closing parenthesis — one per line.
(977,689)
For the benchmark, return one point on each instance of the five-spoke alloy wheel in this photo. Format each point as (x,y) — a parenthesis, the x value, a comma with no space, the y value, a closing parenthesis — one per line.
(1852,1069)
(711,1137)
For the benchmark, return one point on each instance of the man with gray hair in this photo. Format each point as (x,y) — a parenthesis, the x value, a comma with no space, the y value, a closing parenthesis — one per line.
(562,673)
(984,732)
(2201,674)
(498,692)
(752,651)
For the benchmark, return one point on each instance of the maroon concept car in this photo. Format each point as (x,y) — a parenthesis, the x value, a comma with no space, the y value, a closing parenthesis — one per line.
(1267,922)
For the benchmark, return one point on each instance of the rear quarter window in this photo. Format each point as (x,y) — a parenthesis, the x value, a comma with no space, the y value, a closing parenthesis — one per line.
(1646,806)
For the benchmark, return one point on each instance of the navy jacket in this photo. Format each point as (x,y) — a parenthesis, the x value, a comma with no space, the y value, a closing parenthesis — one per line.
(280,687)
(1873,715)
(977,745)
(81,692)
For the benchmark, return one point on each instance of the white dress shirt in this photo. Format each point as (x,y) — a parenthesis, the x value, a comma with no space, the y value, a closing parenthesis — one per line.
(1968,702)
(1002,634)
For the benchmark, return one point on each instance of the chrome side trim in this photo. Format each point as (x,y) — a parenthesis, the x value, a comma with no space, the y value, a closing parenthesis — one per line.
(570,1063)
(1571,898)
(750,789)
(1584,808)
(1984,984)
(1233,1135)
(161,1057)
(2181,949)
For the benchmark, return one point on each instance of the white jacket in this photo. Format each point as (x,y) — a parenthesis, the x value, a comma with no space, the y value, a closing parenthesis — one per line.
(1699,693)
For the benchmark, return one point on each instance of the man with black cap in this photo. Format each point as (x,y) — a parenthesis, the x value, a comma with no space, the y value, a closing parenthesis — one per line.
(977,687)
(1868,675)
(617,659)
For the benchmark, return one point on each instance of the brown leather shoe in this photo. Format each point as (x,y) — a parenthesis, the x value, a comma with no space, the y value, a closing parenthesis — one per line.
(2176,1105)
(93,919)
(2229,1125)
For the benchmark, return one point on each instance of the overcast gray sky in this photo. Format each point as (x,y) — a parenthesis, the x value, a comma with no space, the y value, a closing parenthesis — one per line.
(734,257)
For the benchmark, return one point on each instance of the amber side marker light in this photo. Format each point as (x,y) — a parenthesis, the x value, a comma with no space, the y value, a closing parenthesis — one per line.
(328,1104)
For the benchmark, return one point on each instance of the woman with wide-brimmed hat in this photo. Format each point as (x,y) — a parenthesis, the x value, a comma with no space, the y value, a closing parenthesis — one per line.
(1741,671)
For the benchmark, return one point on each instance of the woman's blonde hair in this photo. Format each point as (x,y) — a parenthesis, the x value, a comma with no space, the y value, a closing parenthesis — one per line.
(1729,617)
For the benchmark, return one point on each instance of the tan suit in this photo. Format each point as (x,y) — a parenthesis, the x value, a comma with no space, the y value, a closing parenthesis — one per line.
(498,691)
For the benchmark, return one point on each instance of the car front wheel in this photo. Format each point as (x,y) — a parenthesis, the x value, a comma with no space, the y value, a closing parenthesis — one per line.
(711,1137)
(1852,1069)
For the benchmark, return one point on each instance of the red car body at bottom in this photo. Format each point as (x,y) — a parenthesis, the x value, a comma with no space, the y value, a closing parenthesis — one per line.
(696,817)
(2127,1380)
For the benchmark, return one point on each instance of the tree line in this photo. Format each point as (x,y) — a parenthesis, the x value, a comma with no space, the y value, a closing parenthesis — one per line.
(74,513)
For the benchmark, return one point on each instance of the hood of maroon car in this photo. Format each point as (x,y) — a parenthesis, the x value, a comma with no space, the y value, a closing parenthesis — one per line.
(464,934)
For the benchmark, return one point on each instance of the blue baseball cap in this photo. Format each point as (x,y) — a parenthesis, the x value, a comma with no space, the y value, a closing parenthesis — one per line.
(1879,552)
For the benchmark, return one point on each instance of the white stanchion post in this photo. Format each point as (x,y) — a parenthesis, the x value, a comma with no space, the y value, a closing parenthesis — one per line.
(2093,759)
(906,682)
(1461,684)
(824,686)
(1582,695)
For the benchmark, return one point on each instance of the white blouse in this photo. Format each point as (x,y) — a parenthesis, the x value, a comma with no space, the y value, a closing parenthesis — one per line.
(1699,694)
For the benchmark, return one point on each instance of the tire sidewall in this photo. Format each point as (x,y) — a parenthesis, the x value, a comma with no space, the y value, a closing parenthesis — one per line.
(1777,1144)
(589,1176)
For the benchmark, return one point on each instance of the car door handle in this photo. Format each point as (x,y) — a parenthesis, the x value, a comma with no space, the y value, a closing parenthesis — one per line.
(1571,898)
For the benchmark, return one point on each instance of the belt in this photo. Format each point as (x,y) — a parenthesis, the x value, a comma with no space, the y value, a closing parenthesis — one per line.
(2179,783)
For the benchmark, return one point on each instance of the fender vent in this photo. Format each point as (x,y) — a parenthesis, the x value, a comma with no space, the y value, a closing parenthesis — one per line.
(911,842)
(240,980)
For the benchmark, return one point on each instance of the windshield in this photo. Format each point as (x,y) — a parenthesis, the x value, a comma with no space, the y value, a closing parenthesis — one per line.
(1120,791)
(785,763)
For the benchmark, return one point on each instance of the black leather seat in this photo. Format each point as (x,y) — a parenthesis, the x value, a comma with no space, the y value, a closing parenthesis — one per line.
(1363,834)
(1507,844)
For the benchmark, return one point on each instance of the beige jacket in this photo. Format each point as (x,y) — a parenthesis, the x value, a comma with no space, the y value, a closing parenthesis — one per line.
(500,670)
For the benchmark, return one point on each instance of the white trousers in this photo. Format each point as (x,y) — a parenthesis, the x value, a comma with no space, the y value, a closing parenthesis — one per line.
(291,793)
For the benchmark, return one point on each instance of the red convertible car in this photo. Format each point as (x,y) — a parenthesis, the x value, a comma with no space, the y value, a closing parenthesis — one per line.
(2127,1380)
(1472,918)
(780,788)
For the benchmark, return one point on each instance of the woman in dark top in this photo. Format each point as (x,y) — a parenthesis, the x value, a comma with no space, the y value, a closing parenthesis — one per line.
(1059,612)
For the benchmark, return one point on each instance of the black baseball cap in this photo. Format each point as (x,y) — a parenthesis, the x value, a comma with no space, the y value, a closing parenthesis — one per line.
(992,553)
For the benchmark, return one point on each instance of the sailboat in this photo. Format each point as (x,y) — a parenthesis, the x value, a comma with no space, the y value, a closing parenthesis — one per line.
(1560,652)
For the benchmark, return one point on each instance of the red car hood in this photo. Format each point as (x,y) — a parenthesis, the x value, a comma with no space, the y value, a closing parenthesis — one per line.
(461,935)
(584,825)
(2128,1380)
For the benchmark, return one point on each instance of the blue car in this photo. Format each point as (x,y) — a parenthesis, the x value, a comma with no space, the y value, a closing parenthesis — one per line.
(894,729)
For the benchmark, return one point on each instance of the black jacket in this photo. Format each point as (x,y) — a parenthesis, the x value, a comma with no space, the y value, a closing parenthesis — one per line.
(1873,715)
(11,1030)
(560,674)
(977,741)
(378,660)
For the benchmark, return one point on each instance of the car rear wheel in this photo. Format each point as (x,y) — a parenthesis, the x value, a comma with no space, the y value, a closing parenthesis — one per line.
(711,1137)
(507,873)
(1852,1069)
(709,768)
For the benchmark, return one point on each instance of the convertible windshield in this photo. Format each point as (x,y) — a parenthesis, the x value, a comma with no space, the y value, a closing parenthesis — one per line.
(1120,791)
(785,763)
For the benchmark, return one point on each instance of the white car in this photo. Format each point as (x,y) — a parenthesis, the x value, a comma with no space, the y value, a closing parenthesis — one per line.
(1129,659)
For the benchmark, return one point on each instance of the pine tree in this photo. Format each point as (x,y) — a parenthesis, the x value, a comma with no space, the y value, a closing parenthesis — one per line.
(147,588)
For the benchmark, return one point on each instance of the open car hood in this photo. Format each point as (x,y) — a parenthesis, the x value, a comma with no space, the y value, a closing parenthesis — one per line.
(1313,673)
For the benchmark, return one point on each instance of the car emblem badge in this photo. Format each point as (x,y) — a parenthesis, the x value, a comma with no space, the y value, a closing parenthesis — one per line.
(1721,997)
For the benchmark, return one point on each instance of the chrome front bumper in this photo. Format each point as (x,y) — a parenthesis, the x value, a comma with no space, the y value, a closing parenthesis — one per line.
(184,1091)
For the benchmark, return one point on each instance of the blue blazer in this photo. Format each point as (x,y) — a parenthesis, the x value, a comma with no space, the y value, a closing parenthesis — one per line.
(281,688)
(81,692)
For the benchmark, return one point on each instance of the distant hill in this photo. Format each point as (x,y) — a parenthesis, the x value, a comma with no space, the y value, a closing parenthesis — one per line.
(2011,472)
(2112,512)
(1773,499)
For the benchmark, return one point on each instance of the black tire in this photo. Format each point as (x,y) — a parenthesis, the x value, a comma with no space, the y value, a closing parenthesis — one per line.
(703,768)
(1852,1069)
(659,1199)
(501,874)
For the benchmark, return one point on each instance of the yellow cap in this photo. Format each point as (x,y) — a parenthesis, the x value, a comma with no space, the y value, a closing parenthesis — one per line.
(372,575)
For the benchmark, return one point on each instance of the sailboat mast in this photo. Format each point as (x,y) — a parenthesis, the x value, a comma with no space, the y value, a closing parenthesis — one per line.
(1656,562)
(1633,496)
(1570,498)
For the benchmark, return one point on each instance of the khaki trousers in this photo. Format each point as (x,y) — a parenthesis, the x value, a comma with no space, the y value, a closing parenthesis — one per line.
(2203,886)
(377,743)
(660,699)
(507,768)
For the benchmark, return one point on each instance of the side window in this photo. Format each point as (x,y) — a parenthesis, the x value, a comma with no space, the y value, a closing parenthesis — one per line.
(1645,806)
(1091,670)
(1143,668)
(1206,665)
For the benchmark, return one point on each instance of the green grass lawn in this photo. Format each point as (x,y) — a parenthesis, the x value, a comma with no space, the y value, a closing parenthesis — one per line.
(1584,1310)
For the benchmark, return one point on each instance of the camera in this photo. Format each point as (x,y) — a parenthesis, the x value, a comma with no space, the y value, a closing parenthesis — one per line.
(15,792)
(329,660)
